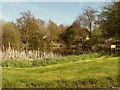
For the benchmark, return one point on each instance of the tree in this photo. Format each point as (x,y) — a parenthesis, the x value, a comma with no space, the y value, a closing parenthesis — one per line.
(87,19)
(27,24)
(38,36)
(53,30)
(61,28)
(70,35)
(32,30)
(11,35)
(110,23)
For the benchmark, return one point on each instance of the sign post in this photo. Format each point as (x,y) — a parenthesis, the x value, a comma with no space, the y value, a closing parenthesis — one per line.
(113,47)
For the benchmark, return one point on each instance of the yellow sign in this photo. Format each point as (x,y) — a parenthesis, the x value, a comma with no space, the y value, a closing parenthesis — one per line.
(113,46)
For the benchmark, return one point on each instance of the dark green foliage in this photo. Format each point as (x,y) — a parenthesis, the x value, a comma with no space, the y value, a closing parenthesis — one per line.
(15,63)
(69,36)
(111,22)
(95,42)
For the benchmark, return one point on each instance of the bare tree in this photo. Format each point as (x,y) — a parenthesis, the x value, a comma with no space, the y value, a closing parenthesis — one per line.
(87,19)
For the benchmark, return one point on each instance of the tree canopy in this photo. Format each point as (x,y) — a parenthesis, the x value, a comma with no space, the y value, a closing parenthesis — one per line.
(30,33)
(110,24)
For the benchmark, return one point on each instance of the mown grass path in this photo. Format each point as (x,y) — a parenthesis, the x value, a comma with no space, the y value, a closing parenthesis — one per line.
(96,73)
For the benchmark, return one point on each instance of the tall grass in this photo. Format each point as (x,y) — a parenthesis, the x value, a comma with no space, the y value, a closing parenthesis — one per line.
(48,61)
(20,55)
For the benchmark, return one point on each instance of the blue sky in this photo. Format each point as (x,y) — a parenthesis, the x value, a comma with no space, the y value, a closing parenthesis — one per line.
(59,12)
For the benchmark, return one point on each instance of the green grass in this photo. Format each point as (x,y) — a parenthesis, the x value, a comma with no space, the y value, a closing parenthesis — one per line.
(99,72)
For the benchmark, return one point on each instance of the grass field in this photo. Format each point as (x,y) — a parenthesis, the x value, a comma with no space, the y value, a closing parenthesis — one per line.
(101,72)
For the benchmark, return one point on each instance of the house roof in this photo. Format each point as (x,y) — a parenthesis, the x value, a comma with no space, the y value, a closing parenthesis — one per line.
(84,32)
